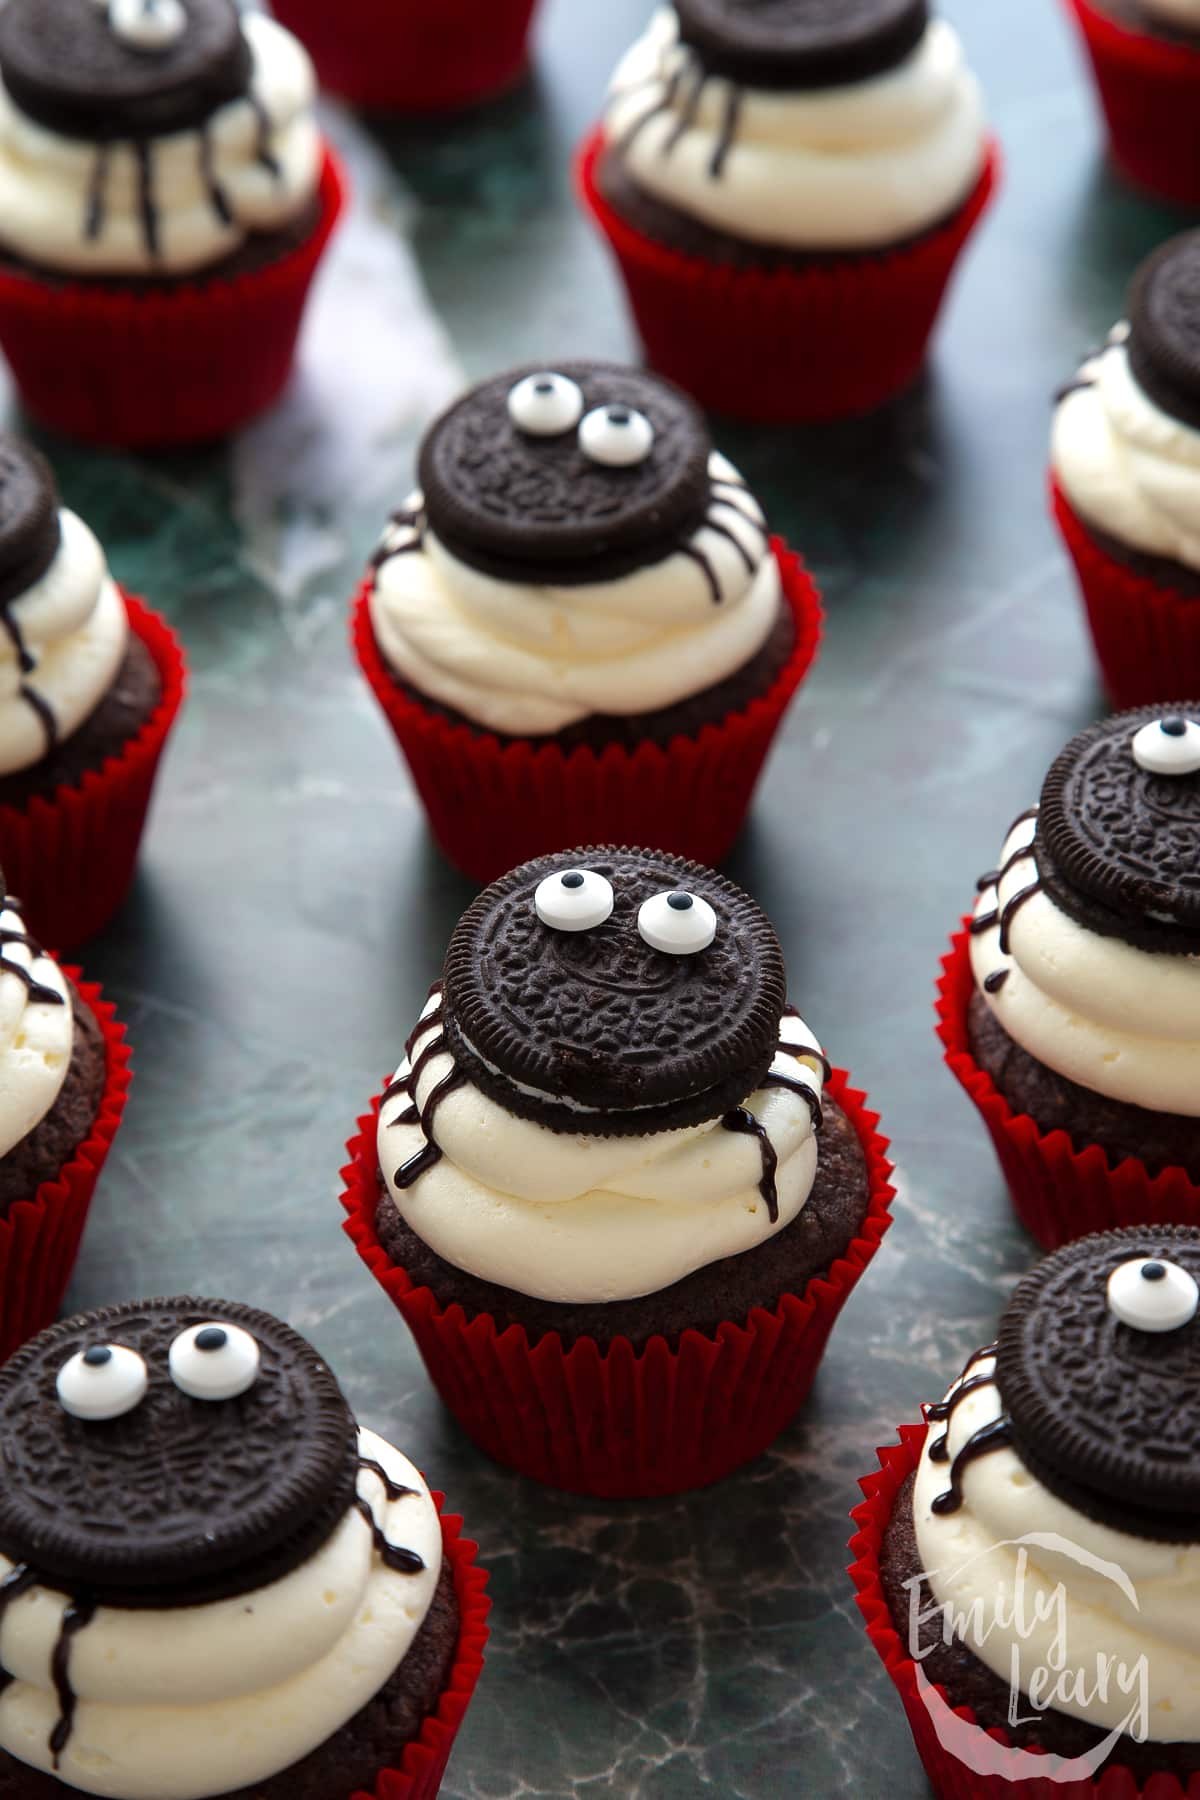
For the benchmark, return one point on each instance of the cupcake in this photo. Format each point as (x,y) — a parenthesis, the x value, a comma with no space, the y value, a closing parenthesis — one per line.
(786,190)
(165,196)
(614,1188)
(425,56)
(1024,1561)
(1070,1006)
(216,1584)
(1126,483)
(579,626)
(93,686)
(64,1075)
(1145,55)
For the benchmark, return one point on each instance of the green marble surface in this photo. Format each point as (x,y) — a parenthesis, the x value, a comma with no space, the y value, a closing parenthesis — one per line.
(290,909)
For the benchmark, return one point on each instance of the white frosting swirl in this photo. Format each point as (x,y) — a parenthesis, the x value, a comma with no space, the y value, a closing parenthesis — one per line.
(49,183)
(854,167)
(528,660)
(180,1703)
(974,1555)
(1122,1021)
(592,1219)
(1126,465)
(36,1036)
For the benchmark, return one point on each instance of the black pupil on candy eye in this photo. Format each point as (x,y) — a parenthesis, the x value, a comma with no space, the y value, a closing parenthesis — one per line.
(618,415)
(97,1356)
(679,902)
(1153,1271)
(543,387)
(213,1338)
(1174,727)
(574,880)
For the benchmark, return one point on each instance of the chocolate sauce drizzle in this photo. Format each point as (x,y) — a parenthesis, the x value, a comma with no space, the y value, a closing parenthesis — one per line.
(689,68)
(995,1435)
(403,1562)
(1003,916)
(429,1155)
(687,548)
(79,1612)
(405,518)
(742,1120)
(38,992)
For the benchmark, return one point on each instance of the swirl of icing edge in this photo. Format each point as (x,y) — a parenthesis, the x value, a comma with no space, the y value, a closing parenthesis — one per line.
(846,168)
(530,660)
(84,208)
(185,1703)
(36,1031)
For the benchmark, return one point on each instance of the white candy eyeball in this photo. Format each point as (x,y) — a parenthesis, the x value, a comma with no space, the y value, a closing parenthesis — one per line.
(1168,746)
(215,1361)
(147,24)
(1151,1294)
(545,404)
(576,900)
(680,924)
(102,1382)
(616,436)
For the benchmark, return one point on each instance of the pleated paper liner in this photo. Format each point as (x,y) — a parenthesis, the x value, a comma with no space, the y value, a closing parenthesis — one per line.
(136,368)
(1058,1192)
(424,1761)
(71,857)
(787,346)
(492,807)
(962,1760)
(1147,638)
(621,1423)
(39,1237)
(1150,91)
(418,56)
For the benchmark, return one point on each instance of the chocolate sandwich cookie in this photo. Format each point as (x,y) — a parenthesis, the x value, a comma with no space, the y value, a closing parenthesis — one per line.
(29,528)
(801,43)
(1164,328)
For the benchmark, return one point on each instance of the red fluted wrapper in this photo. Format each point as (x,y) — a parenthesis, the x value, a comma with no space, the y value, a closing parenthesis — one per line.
(493,807)
(132,368)
(621,1423)
(1150,91)
(421,56)
(787,346)
(424,1761)
(1058,1192)
(1147,637)
(71,857)
(962,1760)
(39,1237)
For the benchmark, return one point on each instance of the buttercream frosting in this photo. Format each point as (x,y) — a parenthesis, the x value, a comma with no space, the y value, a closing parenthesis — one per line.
(36,1032)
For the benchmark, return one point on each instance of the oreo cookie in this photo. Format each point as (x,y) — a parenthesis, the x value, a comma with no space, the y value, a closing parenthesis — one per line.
(585,1024)
(29,530)
(1164,327)
(1117,843)
(579,473)
(801,43)
(68,65)
(1103,1411)
(122,1484)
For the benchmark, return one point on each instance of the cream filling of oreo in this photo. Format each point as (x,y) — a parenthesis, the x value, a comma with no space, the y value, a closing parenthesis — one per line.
(1122,1021)
(82,207)
(528,660)
(1012,1537)
(36,1036)
(583,1219)
(182,1703)
(854,167)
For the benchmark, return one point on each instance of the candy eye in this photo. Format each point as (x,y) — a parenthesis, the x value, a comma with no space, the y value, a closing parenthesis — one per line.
(1152,1295)
(545,404)
(616,436)
(102,1382)
(678,923)
(147,24)
(1168,746)
(576,900)
(214,1361)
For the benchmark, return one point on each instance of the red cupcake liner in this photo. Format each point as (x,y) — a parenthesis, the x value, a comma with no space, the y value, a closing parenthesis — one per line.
(962,1760)
(1058,1192)
(422,56)
(1150,91)
(424,1761)
(39,1237)
(130,368)
(787,346)
(1147,637)
(492,807)
(71,857)
(621,1423)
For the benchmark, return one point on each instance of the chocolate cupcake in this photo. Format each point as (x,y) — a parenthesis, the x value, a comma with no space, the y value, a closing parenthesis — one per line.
(582,583)
(787,186)
(1145,55)
(1025,1557)
(94,682)
(165,191)
(613,1144)
(213,1582)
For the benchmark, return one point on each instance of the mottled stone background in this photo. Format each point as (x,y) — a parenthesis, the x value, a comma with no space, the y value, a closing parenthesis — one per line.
(291,911)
